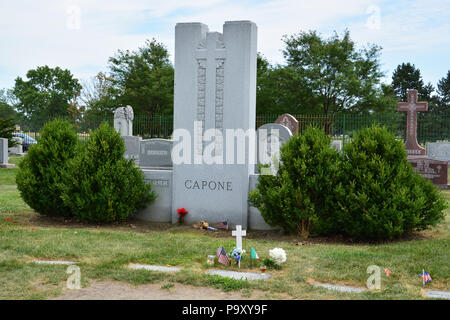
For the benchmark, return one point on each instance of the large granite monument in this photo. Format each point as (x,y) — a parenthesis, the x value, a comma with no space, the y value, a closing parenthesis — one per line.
(434,170)
(215,88)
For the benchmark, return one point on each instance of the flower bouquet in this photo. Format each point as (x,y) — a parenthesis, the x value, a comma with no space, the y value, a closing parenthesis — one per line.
(181,213)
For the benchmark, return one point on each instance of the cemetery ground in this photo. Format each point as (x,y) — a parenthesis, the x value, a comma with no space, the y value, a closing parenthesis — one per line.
(103,253)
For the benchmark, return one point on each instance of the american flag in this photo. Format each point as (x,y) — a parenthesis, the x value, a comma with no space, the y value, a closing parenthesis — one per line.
(426,277)
(222,256)
(223,225)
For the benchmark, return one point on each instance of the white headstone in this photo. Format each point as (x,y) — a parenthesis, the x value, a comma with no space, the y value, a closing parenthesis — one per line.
(271,138)
(215,88)
(4,154)
(132,145)
(337,144)
(239,233)
(439,150)
(123,120)
(17,149)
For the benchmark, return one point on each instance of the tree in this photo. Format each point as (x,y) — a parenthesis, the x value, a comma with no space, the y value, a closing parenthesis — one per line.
(7,128)
(6,110)
(48,93)
(443,90)
(95,95)
(143,79)
(406,77)
(281,90)
(331,74)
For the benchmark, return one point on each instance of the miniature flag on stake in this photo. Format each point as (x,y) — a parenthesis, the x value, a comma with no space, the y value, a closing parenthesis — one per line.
(222,256)
(253,254)
(425,276)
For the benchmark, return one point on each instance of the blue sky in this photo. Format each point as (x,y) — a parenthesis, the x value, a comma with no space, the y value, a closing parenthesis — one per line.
(80,35)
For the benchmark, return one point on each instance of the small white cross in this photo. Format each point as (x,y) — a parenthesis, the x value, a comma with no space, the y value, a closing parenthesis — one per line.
(239,233)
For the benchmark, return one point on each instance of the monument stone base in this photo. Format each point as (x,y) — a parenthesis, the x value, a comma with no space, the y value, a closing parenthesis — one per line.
(431,169)
(7,165)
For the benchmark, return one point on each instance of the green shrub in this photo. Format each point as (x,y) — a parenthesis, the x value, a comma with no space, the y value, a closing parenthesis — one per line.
(299,195)
(379,196)
(102,186)
(40,174)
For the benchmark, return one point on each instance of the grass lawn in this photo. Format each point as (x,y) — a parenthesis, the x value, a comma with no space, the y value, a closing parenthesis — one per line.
(103,252)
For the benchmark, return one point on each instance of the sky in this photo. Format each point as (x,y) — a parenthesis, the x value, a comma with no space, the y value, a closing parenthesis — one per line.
(80,35)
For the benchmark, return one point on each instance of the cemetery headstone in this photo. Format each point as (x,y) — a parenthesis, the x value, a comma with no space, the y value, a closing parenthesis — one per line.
(239,233)
(271,138)
(431,169)
(4,154)
(18,148)
(132,145)
(123,120)
(412,106)
(337,144)
(439,150)
(155,153)
(215,76)
(434,170)
(288,121)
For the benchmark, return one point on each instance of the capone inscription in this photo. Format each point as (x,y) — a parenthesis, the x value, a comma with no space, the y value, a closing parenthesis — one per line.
(208,185)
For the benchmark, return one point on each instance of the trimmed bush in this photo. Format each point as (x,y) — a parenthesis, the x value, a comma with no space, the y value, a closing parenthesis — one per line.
(299,195)
(40,175)
(102,186)
(379,196)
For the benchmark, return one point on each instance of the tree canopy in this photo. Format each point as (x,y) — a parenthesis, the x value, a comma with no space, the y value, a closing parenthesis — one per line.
(323,76)
(48,93)
(143,79)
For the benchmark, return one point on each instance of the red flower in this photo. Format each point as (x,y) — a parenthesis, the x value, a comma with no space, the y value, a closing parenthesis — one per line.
(8,219)
(33,229)
(182,212)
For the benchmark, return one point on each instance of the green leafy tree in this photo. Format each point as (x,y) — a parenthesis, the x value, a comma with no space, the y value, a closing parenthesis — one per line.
(48,93)
(96,95)
(331,75)
(406,77)
(143,79)
(443,90)
(7,126)
(6,109)
(280,89)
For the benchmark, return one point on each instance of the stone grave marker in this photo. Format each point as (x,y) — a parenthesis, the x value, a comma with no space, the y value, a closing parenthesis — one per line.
(240,275)
(434,170)
(4,154)
(288,121)
(132,147)
(239,233)
(18,148)
(215,76)
(155,153)
(412,106)
(431,169)
(270,138)
(337,144)
(123,120)
(439,150)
